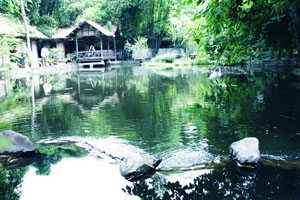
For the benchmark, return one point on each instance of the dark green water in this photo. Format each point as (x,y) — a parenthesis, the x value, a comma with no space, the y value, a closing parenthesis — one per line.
(176,114)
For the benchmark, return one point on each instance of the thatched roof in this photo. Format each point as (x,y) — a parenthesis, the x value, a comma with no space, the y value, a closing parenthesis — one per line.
(66,32)
(16,28)
(63,32)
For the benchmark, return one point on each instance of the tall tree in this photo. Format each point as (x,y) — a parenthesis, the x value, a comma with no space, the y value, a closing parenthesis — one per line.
(158,21)
(26,29)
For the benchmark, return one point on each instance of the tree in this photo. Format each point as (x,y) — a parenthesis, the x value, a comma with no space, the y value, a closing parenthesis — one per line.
(158,21)
(295,15)
(237,31)
(10,6)
(27,30)
(141,18)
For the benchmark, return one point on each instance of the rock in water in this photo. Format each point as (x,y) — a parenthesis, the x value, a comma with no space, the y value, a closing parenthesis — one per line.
(13,142)
(246,152)
(16,150)
(138,167)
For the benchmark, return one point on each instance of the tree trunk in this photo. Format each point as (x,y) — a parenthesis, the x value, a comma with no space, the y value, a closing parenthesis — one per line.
(51,7)
(295,15)
(26,29)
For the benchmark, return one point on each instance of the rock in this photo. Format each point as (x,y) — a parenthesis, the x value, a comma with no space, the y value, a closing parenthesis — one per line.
(138,167)
(16,150)
(13,142)
(10,161)
(246,152)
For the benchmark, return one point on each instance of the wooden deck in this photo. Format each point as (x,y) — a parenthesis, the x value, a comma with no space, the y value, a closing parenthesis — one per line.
(89,66)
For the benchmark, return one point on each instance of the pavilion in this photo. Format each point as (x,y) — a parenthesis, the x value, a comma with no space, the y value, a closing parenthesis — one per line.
(78,39)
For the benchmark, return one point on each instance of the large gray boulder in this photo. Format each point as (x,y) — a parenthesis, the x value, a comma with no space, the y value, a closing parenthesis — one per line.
(13,142)
(245,152)
(138,167)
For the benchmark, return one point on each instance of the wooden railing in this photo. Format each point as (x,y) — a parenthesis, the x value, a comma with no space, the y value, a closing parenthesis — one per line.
(96,54)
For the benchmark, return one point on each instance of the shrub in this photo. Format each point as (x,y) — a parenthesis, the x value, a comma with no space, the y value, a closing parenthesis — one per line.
(166,58)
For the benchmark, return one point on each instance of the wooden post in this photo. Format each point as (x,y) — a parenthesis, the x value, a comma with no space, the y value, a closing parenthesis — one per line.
(77,45)
(115,48)
(108,46)
(101,46)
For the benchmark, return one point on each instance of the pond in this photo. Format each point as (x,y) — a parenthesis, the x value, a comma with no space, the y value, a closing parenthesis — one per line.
(176,114)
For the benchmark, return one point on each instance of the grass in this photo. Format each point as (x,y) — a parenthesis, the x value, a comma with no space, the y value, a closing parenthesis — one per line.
(171,60)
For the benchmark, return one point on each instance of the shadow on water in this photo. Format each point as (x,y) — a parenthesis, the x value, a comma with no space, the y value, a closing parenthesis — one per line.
(224,182)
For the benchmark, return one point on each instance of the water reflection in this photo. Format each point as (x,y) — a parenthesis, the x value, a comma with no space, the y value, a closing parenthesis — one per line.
(177,114)
(224,182)
(158,110)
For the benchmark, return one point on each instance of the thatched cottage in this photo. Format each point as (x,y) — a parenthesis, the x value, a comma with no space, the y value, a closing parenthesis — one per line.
(79,38)
(16,28)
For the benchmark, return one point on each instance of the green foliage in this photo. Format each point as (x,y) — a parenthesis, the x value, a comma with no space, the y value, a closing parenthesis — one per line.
(47,25)
(136,18)
(52,154)
(54,55)
(9,181)
(97,13)
(12,49)
(235,31)
(8,44)
(166,58)
(10,6)
(139,43)
(72,57)
(180,18)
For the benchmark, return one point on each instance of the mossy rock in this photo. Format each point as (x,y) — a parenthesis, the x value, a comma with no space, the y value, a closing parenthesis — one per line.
(13,142)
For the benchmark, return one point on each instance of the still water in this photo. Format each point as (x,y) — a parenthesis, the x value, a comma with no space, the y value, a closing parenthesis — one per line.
(178,115)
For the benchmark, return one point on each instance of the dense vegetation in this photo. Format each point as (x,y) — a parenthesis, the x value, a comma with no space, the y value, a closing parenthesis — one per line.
(227,31)
(233,31)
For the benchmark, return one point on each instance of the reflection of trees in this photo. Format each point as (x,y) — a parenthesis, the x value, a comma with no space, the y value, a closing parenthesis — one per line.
(57,116)
(153,108)
(225,182)
(16,104)
(9,181)
(232,108)
(149,104)
(52,154)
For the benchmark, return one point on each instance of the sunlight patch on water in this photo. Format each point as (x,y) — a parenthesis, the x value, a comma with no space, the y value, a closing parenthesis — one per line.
(273,157)
(84,178)
(186,158)
(116,147)
(187,178)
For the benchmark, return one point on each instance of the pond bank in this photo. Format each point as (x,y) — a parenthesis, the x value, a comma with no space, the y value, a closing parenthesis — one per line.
(16,73)
(174,64)
(27,72)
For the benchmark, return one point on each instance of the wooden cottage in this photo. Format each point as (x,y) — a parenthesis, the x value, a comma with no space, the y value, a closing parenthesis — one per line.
(79,38)
(16,29)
